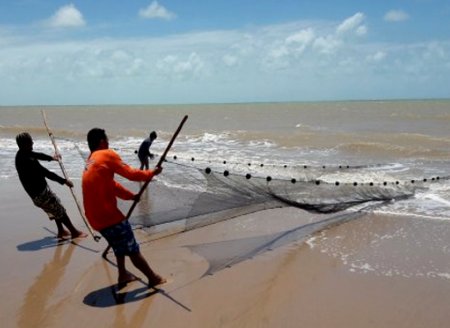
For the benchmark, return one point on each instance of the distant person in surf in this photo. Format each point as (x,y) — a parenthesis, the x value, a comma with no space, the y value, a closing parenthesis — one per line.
(144,150)
(33,177)
(100,204)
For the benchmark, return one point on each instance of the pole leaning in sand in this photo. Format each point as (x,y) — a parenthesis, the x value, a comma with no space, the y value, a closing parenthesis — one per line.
(61,165)
(159,164)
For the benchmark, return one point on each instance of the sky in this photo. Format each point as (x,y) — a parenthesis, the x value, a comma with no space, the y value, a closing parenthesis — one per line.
(92,52)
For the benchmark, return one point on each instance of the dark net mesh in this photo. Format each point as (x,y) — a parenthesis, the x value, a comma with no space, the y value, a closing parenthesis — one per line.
(191,194)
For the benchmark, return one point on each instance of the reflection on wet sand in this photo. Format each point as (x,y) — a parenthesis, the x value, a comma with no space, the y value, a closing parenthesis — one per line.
(35,310)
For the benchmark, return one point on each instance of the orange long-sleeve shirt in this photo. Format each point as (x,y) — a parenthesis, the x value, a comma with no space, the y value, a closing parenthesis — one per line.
(100,189)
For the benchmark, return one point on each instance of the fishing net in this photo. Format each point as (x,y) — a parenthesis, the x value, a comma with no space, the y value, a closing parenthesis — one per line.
(191,193)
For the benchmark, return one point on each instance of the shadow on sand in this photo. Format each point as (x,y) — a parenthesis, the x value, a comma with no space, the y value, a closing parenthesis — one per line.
(111,296)
(49,242)
(36,245)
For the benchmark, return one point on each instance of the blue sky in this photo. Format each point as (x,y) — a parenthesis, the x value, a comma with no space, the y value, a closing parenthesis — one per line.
(182,51)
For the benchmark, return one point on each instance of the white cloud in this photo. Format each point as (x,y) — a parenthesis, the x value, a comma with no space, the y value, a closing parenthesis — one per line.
(230,60)
(279,52)
(155,10)
(120,55)
(376,57)
(173,67)
(361,30)
(67,16)
(135,68)
(303,37)
(277,58)
(351,23)
(305,59)
(396,16)
(301,40)
(326,44)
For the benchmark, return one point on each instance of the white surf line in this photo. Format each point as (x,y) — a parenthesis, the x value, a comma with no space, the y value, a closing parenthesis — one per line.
(437,199)
(415,215)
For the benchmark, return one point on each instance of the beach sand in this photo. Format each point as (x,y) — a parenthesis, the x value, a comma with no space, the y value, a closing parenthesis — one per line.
(297,284)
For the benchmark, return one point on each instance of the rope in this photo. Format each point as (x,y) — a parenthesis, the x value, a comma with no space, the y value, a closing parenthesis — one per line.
(318,182)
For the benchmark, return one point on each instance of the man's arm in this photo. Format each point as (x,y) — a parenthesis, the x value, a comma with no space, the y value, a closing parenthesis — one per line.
(149,145)
(122,192)
(55,177)
(42,156)
(49,174)
(127,171)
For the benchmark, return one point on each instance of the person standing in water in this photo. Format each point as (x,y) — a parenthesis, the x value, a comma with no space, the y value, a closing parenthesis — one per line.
(144,150)
(100,192)
(33,177)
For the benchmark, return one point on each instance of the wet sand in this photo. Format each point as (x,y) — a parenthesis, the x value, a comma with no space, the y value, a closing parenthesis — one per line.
(301,282)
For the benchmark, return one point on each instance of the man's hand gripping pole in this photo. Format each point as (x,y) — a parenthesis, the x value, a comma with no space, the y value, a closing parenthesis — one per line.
(161,160)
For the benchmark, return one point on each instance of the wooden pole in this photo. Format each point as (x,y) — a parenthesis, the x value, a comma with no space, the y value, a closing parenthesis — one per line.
(61,165)
(161,160)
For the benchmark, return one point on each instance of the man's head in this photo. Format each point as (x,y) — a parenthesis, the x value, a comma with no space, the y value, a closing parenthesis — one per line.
(153,135)
(97,139)
(24,141)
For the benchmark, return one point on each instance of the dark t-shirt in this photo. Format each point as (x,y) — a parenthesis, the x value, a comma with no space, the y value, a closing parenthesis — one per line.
(32,174)
(144,149)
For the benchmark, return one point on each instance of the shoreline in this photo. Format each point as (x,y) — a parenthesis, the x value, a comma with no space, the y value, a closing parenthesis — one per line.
(235,103)
(295,284)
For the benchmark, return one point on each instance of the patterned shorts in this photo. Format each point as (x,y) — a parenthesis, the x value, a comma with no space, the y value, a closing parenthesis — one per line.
(51,204)
(121,239)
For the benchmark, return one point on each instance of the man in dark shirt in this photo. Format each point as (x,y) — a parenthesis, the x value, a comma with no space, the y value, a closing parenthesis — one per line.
(33,176)
(144,150)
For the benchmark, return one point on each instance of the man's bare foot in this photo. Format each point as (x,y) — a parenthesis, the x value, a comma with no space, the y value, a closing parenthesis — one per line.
(79,234)
(64,234)
(156,280)
(125,279)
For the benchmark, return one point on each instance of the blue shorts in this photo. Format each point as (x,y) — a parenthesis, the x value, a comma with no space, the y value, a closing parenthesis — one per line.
(121,239)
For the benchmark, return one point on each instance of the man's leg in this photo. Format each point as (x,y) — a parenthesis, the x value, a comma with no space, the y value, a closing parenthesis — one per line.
(75,233)
(51,204)
(62,233)
(141,263)
(124,275)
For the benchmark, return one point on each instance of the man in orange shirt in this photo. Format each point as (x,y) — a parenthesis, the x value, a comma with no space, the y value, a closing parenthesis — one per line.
(100,204)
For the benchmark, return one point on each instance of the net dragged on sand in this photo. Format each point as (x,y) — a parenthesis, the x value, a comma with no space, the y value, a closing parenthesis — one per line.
(191,194)
(196,195)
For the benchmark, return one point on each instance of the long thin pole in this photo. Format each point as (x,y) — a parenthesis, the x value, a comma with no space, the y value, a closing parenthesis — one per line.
(161,160)
(61,165)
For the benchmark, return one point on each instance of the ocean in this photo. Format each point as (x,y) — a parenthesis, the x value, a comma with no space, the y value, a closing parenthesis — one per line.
(357,144)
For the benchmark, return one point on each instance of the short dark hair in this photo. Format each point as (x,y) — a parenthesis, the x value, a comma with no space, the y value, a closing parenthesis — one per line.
(153,135)
(94,137)
(24,140)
